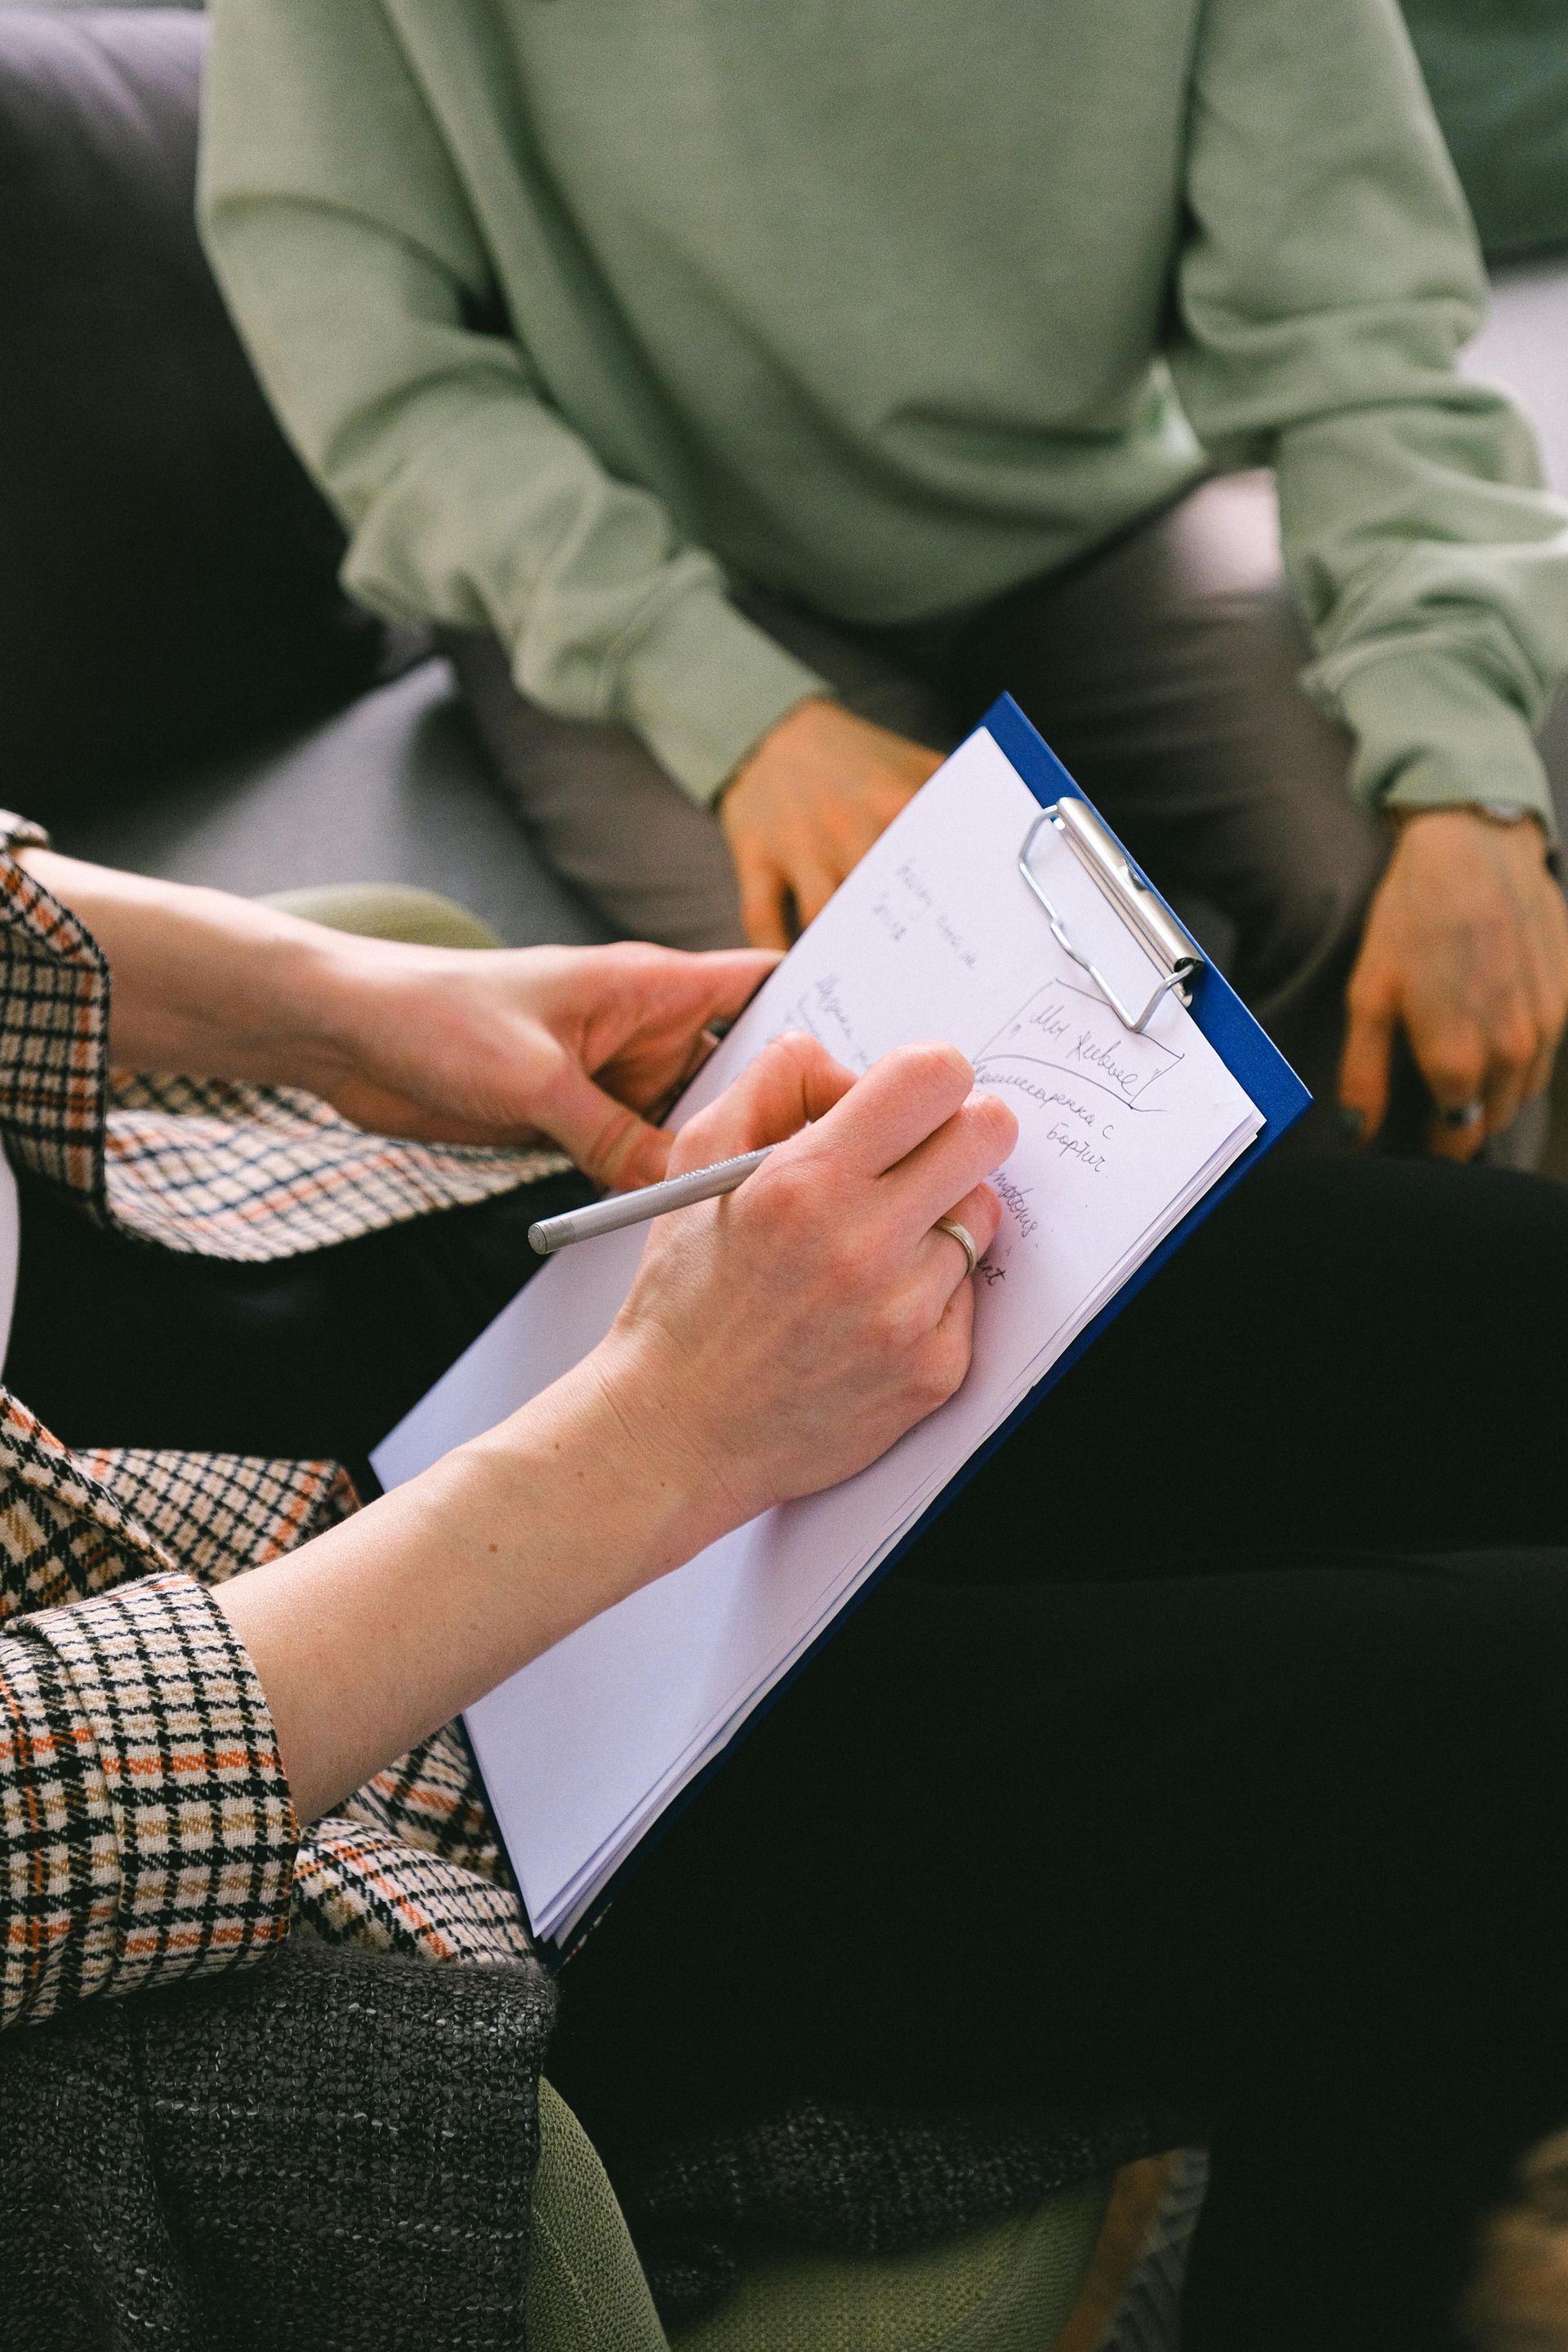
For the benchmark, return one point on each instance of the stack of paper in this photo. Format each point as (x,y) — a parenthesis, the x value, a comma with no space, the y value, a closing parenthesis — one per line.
(935,935)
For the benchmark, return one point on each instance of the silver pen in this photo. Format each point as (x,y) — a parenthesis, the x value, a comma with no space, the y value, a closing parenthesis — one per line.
(623,1209)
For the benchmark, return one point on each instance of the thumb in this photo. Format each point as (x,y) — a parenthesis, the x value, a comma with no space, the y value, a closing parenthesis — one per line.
(606,1140)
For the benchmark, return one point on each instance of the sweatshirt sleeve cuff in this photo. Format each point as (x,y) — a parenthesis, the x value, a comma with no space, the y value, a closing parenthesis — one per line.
(1430,732)
(702,684)
(196,1812)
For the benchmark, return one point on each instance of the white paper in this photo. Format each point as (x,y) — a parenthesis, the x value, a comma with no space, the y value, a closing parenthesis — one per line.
(935,935)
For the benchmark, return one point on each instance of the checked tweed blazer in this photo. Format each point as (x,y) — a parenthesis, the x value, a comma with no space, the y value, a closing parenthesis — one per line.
(146,1827)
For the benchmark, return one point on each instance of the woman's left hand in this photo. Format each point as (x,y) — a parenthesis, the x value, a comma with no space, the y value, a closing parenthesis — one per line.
(578,1045)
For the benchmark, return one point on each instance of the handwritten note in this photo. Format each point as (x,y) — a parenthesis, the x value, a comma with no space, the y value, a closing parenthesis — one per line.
(935,935)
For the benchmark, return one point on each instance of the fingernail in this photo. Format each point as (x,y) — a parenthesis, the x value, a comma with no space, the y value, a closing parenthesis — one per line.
(1353,1123)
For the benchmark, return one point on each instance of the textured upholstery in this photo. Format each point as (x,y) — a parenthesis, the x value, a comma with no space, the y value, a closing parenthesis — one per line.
(586,2291)
(1004,2289)
(1009,2288)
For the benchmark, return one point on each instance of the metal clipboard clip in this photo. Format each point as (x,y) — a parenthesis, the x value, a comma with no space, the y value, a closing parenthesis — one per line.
(1168,947)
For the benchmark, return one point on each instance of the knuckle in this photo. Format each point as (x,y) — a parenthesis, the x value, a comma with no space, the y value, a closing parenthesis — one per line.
(845,1266)
(1367,995)
(1454,1070)
(638,956)
(997,1125)
(930,1383)
(1518,1041)
(824,1241)
(942,1366)
(894,1326)
(941,1063)
(796,1049)
(984,1218)
(789,1195)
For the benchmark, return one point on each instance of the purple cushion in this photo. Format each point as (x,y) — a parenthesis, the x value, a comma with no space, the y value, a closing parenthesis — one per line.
(167,572)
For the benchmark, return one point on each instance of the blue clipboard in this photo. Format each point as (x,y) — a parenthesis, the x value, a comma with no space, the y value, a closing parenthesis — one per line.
(1253,1060)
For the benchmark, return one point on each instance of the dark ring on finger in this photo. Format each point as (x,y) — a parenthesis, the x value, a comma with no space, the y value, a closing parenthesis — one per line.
(1469,1114)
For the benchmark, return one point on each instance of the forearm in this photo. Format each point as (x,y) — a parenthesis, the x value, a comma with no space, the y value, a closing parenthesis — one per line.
(210,985)
(377,1632)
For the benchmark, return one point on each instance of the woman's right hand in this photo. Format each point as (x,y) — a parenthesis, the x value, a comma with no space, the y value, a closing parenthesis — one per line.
(773,1342)
(779,1339)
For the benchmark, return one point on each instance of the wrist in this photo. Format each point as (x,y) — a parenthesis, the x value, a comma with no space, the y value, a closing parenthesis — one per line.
(320,995)
(663,1454)
(794,722)
(1478,829)
(377,1632)
(581,1491)
(1504,816)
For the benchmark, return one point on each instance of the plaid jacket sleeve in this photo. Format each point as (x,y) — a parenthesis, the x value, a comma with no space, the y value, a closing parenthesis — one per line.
(146,1828)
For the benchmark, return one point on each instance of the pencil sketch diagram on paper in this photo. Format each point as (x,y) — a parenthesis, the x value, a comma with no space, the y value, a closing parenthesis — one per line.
(1074,1078)
(1069,1030)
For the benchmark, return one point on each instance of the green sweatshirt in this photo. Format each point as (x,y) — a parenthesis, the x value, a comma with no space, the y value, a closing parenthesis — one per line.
(578,308)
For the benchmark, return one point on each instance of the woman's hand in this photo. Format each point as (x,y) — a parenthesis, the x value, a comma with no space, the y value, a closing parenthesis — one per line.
(773,1342)
(777,1340)
(580,1046)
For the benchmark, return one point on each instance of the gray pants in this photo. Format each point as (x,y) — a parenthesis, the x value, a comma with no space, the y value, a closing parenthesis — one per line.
(1162,672)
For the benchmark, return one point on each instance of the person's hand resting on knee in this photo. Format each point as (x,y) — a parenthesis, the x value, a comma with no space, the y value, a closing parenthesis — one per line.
(1467,950)
(806,807)
(773,1342)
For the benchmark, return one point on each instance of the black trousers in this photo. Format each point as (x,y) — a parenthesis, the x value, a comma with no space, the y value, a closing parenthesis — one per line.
(1211,1747)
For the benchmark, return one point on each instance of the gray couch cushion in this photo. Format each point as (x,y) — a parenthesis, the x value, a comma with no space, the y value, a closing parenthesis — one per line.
(1525,346)
(395,789)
